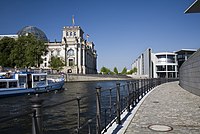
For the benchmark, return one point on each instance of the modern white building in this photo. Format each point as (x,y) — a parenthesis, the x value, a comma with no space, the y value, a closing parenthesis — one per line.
(156,65)
(78,54)
(165,65)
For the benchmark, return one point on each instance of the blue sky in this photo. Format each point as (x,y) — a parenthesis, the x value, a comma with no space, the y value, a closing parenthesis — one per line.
(120,29)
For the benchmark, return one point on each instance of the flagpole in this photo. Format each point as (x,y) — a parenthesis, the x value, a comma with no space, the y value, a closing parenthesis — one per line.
(73,20)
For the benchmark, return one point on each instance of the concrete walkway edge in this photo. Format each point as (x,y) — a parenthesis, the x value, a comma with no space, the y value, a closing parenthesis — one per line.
(120,129)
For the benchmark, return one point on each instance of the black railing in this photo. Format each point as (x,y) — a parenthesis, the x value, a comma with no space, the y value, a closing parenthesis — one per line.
(110,104)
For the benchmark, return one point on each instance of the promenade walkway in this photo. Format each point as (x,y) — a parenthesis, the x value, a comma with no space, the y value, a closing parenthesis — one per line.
(167,108)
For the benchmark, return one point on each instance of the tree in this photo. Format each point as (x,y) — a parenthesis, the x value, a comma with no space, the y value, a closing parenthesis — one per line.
(115,70)
(6,45)
(124,71)
(56,63)
(132,71)
(105,70)
(27,51)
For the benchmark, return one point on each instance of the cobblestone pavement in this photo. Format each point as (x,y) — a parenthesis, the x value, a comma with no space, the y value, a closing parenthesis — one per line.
(169,105)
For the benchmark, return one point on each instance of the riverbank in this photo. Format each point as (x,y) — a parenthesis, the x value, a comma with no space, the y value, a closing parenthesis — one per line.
(92,77)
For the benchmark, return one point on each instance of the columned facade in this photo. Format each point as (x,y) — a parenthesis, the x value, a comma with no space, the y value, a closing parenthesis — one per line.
(78,54)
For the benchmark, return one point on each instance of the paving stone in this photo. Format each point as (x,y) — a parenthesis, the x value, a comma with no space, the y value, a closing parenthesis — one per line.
(169,105)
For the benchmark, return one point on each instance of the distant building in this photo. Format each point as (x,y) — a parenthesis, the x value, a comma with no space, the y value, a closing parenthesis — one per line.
(78,55)
(14,36)
(160,65)
(166,65)
(183,55)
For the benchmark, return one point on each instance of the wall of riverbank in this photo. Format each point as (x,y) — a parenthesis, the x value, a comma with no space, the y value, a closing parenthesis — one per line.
(190,74)
(92,77)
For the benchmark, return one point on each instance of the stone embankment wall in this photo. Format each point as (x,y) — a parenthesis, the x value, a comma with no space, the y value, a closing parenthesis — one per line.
(92,77)
(190,74)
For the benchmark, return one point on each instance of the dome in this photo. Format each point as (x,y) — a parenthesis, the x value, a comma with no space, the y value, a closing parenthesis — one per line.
(39,34)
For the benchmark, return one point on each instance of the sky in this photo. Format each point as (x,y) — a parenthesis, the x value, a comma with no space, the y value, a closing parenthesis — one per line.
(120,29)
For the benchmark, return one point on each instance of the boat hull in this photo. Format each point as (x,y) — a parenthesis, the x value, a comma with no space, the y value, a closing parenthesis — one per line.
(29,91)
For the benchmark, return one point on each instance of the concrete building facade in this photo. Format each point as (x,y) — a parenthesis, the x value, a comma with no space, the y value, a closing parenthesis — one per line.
(160,65)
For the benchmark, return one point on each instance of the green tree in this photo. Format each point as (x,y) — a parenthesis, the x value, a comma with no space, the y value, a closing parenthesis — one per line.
(6,45)
(132,71)
(56,63)
(27,51)
(124,71)
(115,70)
(105,70)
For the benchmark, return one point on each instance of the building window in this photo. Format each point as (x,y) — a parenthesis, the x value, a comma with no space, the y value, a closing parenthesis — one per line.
(70,33)
(171,58)
(74,33)
(45,64)
(67,34)
(161,68)
(170,68)
(70,52)
(71,62)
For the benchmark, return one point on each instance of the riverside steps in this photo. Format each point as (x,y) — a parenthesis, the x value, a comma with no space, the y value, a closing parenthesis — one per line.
(168,108)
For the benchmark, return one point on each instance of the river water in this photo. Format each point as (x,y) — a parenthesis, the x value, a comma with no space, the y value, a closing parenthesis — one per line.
(61,119)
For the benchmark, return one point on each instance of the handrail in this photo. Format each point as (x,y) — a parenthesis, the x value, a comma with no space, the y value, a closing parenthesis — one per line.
(109,106)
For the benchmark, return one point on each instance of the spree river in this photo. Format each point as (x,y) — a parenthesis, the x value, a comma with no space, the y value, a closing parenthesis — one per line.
(61,119)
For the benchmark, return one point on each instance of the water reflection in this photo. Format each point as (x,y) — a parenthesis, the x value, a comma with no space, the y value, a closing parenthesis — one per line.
(57,120)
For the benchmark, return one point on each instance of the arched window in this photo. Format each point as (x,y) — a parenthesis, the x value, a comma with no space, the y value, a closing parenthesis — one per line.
(70,52)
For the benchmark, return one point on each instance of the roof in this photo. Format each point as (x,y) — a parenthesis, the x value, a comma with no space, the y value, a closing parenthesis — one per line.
(194,8)
(186,50)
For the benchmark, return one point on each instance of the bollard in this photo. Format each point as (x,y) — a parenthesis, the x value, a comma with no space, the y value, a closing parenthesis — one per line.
(118,104)
(37,115)
(98,110)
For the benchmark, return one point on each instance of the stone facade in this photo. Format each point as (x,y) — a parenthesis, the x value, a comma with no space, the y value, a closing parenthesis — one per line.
(190,74)
(78,54)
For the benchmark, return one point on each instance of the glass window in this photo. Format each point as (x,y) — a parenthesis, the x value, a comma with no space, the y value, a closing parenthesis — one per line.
(161,68)
(67,34)
(170,68)
(70,52)
(3,84)
(70,33)
(71,62)
(12,84)
(43,78)
(74,33)
(171,58)
(36,78)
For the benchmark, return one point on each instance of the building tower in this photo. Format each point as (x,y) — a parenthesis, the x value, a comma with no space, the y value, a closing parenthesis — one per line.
(80,56)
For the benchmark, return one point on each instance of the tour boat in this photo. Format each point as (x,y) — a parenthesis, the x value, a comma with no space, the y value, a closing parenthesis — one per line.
(12,84)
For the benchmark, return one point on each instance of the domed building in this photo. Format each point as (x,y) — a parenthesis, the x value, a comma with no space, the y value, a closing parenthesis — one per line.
(39,34)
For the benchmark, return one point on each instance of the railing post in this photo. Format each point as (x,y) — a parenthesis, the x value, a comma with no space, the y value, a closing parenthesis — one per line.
(89,126)
(78,114)
(128,97)
(37,115)
(98,110)
(118,104)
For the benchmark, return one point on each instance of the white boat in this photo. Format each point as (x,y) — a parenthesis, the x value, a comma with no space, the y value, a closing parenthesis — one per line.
(12,84)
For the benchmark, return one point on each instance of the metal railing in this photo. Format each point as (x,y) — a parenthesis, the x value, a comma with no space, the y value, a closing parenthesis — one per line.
(110,104)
